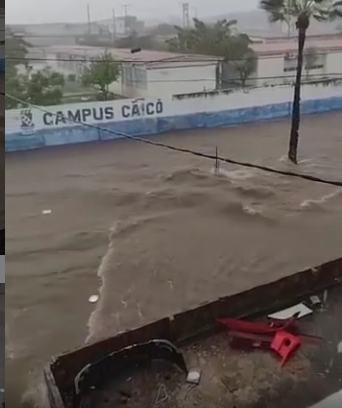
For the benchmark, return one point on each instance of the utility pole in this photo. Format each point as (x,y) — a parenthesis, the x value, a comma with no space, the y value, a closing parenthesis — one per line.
(88,17)
(125,8)
(186,17)
(114,25)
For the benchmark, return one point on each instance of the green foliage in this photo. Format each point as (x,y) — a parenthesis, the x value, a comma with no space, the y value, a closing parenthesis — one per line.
(43,88)
(310,59)
(203,38)
(246,66)
(221,40)
(101,72)
(302,11)
(15,52)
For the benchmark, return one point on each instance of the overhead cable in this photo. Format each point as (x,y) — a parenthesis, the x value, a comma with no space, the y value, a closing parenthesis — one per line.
(183,150)
(193,57)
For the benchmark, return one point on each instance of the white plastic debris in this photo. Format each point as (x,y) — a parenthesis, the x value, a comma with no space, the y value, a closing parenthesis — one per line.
(46,212)
(299,309)
(339,347)
(315,300)
(194,377)
(93,298)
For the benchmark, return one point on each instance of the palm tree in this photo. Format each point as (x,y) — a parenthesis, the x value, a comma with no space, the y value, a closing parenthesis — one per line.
(302,12)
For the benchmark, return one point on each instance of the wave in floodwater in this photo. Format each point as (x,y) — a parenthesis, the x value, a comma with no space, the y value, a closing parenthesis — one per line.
(239,195)
(318,204)
(171,232)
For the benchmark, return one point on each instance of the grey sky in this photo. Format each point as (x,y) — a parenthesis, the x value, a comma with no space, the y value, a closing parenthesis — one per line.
(40,11)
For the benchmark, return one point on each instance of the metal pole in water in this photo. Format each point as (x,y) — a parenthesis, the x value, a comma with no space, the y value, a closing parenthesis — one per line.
(217,162)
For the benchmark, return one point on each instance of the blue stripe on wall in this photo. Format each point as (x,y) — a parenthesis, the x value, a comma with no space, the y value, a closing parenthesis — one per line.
(147,126)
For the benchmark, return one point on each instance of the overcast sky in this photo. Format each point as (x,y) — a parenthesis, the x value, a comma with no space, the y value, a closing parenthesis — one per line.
(45,11)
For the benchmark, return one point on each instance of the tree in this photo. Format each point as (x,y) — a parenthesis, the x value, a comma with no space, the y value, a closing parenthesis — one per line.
(245,67)
(301,12)
(43,88)
(310,59)
(101,72)
(221,40)
(203,38)
(15,52)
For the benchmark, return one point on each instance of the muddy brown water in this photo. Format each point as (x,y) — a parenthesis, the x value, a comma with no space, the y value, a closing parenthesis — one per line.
(155,231)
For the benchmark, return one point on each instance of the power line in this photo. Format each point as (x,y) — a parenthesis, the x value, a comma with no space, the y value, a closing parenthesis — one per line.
(334,76)
(182,150)
(174,59)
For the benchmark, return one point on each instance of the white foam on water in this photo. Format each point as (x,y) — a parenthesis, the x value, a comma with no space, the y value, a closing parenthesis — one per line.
(36,394)
(252,210)
(95,317)
(9,349)
(240,174)
(310,203)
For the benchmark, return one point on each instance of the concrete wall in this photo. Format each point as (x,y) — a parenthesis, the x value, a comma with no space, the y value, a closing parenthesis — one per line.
(180,78)
(34,128)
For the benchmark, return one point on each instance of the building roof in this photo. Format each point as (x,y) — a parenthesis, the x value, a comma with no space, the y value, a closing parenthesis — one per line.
(282,47)
(144,56)
(151,58)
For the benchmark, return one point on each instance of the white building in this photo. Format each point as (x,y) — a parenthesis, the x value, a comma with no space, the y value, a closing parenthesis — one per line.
(143,74)
(277,60)
(161,74)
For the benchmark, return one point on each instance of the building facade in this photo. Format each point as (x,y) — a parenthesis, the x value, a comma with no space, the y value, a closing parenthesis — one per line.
(277,60)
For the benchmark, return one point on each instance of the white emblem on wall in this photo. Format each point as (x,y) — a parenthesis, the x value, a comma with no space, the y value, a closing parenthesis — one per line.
(27,126)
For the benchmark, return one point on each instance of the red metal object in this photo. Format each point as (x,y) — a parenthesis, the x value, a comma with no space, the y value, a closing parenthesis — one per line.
(257,328)
(285,344)
(280,336)
(266,339)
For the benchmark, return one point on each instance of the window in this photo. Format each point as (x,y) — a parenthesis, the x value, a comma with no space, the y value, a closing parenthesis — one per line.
(135,76)
(290,62)
(312,60)
(140,77)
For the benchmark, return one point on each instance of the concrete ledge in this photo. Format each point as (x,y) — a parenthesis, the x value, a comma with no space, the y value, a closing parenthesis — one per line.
(151,126)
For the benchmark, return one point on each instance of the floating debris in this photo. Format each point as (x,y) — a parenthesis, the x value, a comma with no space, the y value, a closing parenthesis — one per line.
(339,347)
(315,300)
(93,298)
(194,377)
(46,212)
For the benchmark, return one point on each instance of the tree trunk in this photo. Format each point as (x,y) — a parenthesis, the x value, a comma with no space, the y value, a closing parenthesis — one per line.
(294,135)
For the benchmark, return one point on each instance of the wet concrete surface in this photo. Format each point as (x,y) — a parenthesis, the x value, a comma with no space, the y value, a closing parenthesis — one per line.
(232,378)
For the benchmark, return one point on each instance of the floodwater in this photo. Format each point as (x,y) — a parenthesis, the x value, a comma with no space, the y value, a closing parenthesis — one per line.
(155,231)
